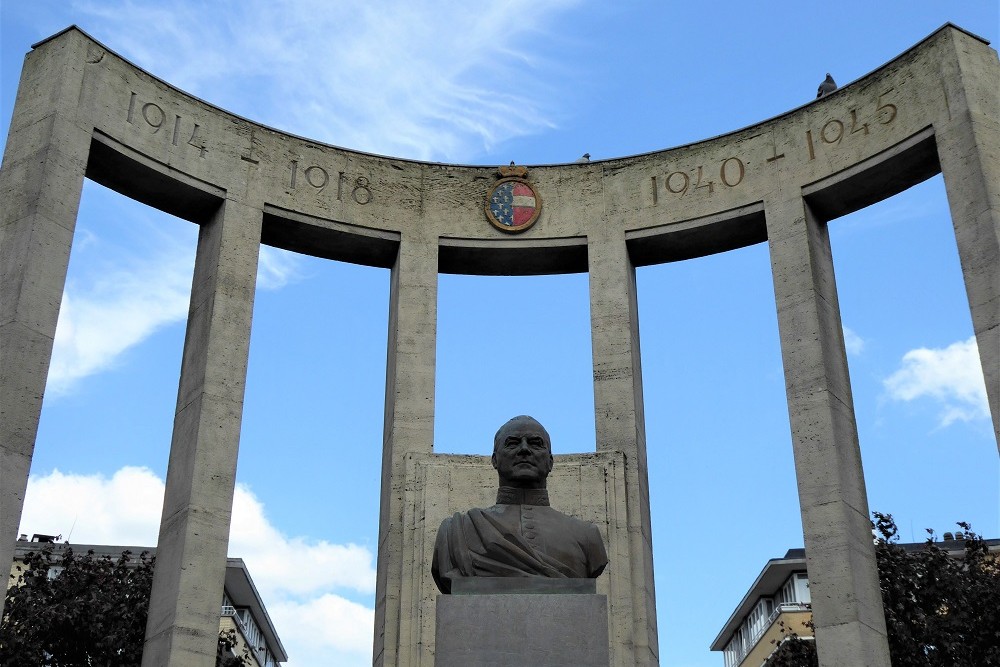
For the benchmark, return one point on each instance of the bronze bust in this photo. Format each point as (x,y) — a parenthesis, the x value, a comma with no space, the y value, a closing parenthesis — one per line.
(520,536)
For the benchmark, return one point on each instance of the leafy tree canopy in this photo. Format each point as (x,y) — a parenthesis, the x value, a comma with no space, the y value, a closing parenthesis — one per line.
(67,610)
(940,611)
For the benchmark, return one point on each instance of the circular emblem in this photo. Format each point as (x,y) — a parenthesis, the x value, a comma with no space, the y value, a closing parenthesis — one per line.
(513,205)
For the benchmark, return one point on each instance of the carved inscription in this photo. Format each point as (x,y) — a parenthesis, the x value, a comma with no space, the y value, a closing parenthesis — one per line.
(729,173)
(837,130)
(318,178)
(174,126)
(706,179)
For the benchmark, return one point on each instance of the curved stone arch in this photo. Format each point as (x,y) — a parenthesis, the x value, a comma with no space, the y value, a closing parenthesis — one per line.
(84,111)
(151,140)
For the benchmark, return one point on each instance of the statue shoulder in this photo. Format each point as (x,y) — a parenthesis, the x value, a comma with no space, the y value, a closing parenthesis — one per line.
(460,517)
(572,521)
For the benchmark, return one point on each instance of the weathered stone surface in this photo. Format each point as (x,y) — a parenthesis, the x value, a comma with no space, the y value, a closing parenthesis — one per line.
(182,628)
(519,630)
(618,407)
(842,574)
(40,184)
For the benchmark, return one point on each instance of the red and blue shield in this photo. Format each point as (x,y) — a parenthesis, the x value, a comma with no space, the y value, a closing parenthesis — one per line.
(513,205)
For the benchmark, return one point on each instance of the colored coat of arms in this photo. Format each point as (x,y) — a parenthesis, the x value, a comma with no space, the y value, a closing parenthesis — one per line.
(513,205)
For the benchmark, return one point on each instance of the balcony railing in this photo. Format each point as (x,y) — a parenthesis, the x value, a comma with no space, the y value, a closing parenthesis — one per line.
(781,609)
(251,636)
(751,640)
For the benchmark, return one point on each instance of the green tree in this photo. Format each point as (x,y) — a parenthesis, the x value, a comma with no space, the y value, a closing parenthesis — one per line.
(940,611)
(794,651)
(67,610)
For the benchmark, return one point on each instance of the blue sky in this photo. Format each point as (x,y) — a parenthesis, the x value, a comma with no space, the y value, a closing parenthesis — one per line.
(487,83)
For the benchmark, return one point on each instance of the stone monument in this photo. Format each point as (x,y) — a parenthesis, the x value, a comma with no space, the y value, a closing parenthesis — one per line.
(82,111)
(520,559)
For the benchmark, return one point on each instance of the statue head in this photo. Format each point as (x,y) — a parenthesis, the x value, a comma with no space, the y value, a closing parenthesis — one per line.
(522,453)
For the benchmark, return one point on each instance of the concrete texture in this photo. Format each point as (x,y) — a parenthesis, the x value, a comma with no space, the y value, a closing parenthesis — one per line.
(80,112)
(969,150)
(181,630)
(519,630)
(40,183)
(618,408)
(847,604)
(409,428)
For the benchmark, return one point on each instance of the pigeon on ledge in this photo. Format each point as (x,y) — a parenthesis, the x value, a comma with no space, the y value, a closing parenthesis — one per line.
(827,87)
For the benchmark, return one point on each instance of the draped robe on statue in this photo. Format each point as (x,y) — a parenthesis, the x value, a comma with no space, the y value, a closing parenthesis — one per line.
(520,536)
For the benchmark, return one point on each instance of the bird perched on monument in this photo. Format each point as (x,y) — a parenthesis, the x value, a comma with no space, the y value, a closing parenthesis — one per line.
(584,158)
(827,87)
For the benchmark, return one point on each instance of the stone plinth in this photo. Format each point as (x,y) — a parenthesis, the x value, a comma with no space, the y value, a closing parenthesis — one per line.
(522,629)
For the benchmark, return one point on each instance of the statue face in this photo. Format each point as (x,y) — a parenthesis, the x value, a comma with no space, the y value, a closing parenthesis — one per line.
(522,454)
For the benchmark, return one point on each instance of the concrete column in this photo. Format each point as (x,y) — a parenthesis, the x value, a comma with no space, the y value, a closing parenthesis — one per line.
(40,182)
(969,151)
(183,623)
(618,410)
(843,579)
(409,427)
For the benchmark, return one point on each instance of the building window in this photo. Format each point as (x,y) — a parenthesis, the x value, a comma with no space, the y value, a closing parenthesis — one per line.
(802,588)
(793,593)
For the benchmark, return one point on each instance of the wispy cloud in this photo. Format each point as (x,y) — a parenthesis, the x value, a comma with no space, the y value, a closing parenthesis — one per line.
(113,310)
(299,579)
(436,81)
(444,81)
(276,268)
(952,376)
(854,343)
(128,280)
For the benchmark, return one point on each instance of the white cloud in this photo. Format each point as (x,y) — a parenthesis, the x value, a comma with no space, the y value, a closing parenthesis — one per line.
(294,566)
(399,78)
(326,630)
(436,80)
(106,316)
(854,343)
(126,293)
(93,509)
(298,577)
(276,267)
(951,375)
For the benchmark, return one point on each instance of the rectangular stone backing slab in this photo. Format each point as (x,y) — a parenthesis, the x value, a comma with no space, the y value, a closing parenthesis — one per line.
(520,630)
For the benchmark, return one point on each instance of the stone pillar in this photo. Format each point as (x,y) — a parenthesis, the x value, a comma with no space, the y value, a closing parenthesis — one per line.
(969,151)
(840,556)
(183,624)
(614,322)
(409,427)
(40,183)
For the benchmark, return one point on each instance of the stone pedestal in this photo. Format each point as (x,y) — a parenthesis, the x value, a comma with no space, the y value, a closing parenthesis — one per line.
(518,630)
